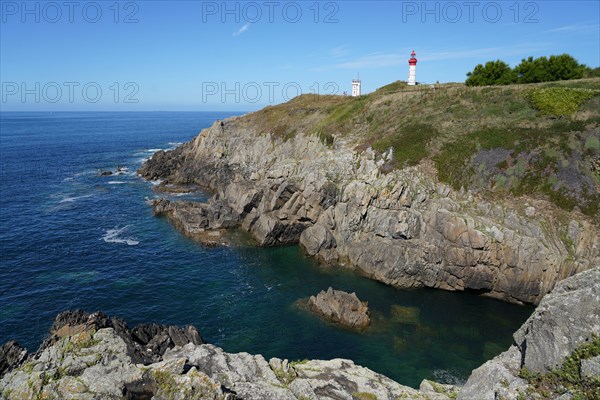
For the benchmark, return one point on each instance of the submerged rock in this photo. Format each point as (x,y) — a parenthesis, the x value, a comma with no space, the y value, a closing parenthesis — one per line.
(120,170)
(341,307)
(405,315)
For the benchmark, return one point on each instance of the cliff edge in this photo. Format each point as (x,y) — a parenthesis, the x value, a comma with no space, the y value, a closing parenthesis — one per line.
(406,188)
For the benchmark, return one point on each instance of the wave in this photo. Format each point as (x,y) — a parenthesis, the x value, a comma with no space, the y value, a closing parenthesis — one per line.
(145,154)
(116,182)
(79,174)
(174,145)
(83,173)
(112,236)
(150,200)
(75,198)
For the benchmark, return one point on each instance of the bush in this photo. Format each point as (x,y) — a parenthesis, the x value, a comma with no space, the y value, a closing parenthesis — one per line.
(559,102)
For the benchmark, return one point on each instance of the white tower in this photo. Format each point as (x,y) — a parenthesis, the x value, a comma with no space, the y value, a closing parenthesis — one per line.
(355,87)
(412,69)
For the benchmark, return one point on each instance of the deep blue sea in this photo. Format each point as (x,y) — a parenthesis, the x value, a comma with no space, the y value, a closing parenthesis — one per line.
(72,239)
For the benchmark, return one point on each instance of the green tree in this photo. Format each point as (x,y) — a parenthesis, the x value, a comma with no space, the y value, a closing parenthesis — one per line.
(592,73)
(533,70)
(530,70)
(565,67)
(555,68)
(492,73)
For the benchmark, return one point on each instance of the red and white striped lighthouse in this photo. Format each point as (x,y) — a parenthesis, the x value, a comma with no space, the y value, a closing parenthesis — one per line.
(412,69)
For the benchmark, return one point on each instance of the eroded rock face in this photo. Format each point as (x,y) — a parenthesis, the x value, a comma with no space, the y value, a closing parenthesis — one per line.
(204,222)
(89,357)
(401,228)
(11,356)
(146,343)
(566,318)
(341,308)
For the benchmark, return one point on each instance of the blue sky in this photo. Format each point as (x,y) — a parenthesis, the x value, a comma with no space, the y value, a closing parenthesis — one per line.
(215,55)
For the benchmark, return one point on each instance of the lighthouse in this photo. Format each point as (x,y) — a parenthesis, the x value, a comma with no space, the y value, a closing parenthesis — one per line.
(412,69)
(356,87)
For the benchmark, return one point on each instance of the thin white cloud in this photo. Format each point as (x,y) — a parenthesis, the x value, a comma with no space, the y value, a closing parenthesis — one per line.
(375,60)
(487,52)
(241,30)
(575,28)
(384,60)
(339,51)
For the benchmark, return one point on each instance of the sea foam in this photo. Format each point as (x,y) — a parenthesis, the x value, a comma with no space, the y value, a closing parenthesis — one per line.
(74,198)
(112,236)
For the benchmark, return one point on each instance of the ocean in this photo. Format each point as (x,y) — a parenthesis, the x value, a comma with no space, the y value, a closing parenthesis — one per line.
(71,239)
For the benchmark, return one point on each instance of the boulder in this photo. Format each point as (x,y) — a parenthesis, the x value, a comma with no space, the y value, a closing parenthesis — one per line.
(590,368)
(341,307)
(566,318)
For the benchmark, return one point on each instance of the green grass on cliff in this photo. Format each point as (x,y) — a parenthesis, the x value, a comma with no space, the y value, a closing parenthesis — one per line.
(540,140)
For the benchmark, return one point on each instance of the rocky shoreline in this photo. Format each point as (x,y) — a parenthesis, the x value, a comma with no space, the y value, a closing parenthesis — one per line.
(400,227)
(92,356)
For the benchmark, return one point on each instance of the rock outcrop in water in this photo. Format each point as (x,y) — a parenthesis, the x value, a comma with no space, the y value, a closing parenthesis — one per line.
(401,227)
(341,307)
(92,356)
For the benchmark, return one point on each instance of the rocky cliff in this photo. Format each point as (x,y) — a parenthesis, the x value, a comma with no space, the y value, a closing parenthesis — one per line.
(97,357)
(345,205)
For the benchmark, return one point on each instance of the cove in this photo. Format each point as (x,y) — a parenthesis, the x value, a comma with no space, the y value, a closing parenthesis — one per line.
(72,239)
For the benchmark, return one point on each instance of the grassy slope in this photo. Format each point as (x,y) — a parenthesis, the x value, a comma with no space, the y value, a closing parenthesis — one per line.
(488,139)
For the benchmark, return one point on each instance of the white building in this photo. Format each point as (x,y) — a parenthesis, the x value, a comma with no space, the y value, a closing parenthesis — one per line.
(412,69)
(355,87)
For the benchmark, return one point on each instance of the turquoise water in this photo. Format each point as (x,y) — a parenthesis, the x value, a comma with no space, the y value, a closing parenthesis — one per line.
(72,239)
